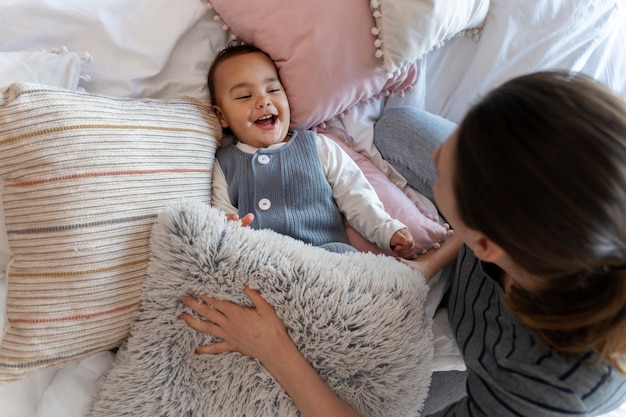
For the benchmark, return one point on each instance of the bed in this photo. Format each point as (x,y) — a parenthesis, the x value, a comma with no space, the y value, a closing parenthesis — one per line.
(343,64)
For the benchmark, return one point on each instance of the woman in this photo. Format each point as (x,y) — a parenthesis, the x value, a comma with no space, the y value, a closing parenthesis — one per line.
(534,183)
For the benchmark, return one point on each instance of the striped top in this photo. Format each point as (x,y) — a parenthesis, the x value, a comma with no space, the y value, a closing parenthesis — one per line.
(510,371)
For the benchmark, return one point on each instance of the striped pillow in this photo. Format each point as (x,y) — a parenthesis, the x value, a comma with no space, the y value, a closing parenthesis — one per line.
(84,178)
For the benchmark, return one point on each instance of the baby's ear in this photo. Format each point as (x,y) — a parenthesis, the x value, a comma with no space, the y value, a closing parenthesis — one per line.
(220,116)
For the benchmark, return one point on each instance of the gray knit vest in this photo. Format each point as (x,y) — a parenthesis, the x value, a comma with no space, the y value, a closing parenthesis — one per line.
(286,190)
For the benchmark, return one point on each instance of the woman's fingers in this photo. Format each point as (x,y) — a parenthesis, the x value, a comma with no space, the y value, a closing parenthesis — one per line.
(214,314)
(207,328)
(201,325)
(226,308)
(204,308)
(259,302)
(253,331)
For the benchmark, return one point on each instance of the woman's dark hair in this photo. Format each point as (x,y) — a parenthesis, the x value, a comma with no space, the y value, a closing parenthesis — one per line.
(541,170)
(223,55)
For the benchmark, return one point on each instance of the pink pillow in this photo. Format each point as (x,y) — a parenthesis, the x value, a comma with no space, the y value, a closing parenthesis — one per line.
(325,52)
(426,231)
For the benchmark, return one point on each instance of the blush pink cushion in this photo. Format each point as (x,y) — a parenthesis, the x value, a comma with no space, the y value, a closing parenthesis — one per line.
(425,231)
(325,52)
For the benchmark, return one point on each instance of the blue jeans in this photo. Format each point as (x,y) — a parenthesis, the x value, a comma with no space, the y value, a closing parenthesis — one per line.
(407,137)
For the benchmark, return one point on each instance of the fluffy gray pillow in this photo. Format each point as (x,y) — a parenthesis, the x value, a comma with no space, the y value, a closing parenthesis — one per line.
(357,318)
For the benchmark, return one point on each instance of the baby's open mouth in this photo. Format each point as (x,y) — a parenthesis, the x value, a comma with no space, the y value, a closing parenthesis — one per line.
(268,120)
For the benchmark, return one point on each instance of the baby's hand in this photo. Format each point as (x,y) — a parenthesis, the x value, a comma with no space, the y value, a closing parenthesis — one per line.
(432,261)
(402,244)
(245,220)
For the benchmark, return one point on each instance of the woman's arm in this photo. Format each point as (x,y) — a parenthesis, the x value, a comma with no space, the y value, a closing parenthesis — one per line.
(436,259)
(259,333)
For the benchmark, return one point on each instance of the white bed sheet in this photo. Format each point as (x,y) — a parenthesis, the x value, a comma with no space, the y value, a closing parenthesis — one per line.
(524,36)
(162,49)
(140,48)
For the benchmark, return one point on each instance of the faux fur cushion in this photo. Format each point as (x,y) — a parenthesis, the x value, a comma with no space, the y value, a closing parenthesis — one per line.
(357,318)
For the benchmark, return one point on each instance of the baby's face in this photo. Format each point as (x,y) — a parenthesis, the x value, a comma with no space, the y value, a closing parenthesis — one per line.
(251,101)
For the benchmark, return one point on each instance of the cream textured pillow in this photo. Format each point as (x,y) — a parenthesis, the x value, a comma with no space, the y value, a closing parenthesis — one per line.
(407,29)
(357,318)
(60,68)
(324,52)
(84,177)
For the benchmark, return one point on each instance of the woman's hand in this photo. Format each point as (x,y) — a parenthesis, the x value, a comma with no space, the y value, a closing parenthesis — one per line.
(257,332)
(435,259)
(245,220)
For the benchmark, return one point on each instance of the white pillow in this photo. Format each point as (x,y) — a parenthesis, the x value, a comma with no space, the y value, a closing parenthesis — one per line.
(407,29)
(62,69)
(140,48)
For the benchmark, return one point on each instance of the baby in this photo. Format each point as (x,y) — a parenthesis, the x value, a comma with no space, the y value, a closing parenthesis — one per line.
(298,183)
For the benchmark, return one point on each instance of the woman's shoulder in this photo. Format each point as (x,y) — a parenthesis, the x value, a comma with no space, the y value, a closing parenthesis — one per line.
(552,386)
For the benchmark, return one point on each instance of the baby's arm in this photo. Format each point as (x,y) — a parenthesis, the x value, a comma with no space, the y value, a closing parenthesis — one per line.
(434,260)
(355,196)
(221,200)
(245,220)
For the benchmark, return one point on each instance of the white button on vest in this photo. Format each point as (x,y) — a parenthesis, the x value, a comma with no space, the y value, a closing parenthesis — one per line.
(265,204)
(264,159)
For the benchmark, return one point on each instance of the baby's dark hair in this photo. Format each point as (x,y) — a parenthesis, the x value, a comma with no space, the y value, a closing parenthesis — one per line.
(225,54)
